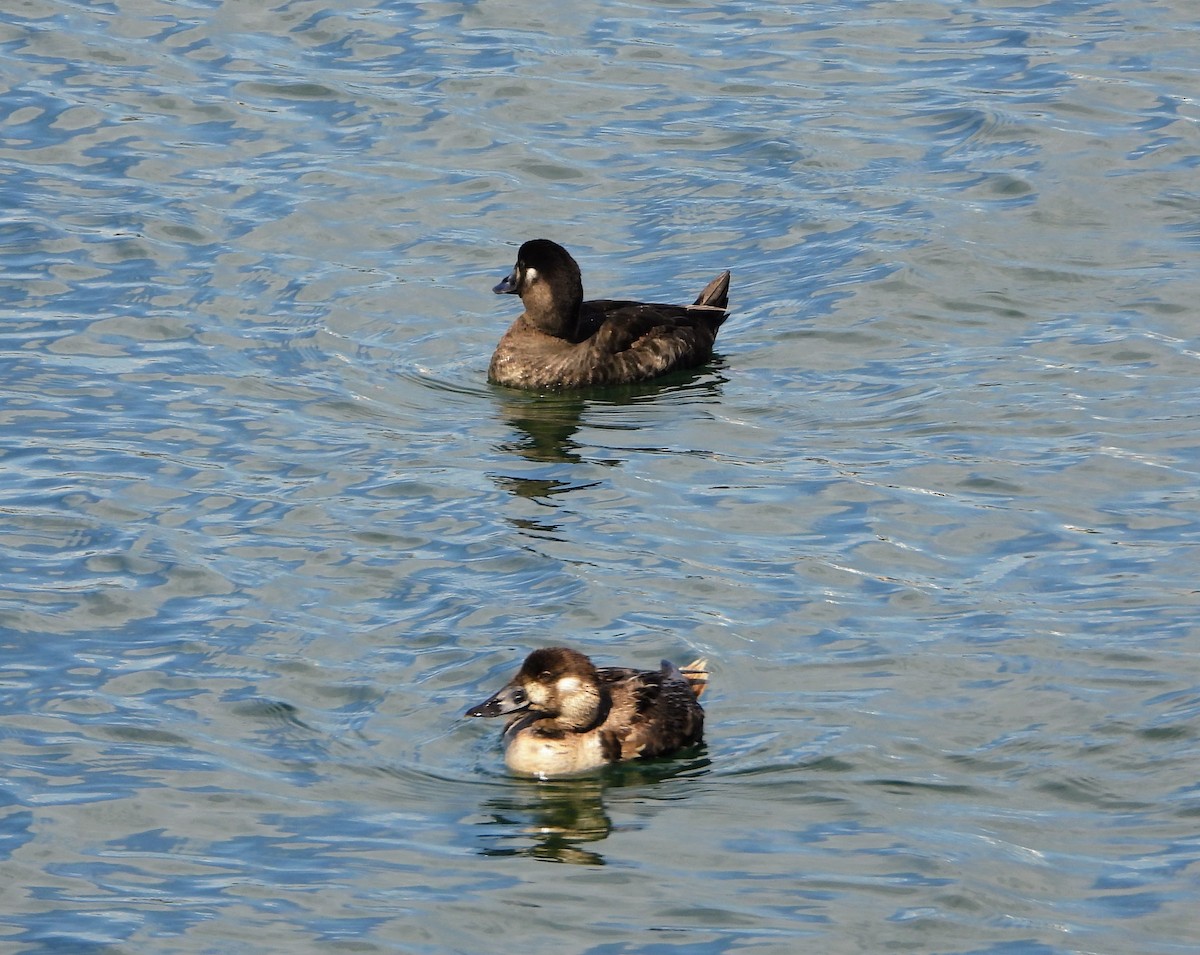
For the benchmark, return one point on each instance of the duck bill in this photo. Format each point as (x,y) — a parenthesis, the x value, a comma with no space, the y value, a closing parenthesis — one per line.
(510,699)
(508,285)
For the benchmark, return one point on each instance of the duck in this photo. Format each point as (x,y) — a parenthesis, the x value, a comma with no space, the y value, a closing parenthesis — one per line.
(568,716)
(562,342)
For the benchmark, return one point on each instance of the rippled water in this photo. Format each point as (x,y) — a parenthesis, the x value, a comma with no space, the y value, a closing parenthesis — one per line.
(931,513)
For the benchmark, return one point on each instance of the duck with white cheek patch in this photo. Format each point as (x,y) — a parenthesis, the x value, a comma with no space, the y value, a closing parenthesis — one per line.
(569,716)
(560,341)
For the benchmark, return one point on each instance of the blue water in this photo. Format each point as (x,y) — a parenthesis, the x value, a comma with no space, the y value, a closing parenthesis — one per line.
(931,513)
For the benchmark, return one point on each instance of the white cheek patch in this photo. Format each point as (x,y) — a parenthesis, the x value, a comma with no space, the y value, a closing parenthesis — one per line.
(568,684)
(529,276)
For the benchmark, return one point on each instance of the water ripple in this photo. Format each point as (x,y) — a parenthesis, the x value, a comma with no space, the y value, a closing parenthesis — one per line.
(930,512)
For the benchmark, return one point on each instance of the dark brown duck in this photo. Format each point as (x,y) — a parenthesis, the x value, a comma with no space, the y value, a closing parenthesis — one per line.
(561,341)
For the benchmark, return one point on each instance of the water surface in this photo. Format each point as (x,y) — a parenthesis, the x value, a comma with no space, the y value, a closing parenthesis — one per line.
(931,513)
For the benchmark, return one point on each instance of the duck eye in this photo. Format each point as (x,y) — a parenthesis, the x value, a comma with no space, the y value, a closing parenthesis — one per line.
(518,696)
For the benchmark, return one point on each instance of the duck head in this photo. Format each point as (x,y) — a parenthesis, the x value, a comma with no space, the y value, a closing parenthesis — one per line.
(557,684)
(549,283)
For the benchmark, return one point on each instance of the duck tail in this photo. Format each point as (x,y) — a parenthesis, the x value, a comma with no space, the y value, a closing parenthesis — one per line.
(716,292)
(696,674)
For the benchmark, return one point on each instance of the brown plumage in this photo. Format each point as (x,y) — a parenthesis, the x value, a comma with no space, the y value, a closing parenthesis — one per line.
(569,716)
(561,341)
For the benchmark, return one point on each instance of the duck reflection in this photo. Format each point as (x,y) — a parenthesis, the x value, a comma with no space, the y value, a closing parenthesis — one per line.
(544,428)
(551,821)
(545,424)
(564,820)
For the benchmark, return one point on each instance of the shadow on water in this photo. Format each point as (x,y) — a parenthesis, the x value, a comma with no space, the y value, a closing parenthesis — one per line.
(563,820)
(545,425)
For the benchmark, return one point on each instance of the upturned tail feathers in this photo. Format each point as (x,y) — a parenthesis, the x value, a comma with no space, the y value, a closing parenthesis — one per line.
(716,292)
(696,672)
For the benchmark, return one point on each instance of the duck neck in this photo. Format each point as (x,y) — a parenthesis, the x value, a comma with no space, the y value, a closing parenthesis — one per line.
(554,310)
(586,709)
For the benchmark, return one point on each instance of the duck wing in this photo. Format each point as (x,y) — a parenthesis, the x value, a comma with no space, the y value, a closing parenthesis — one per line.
(714,298)
(638,342)
(654,712)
